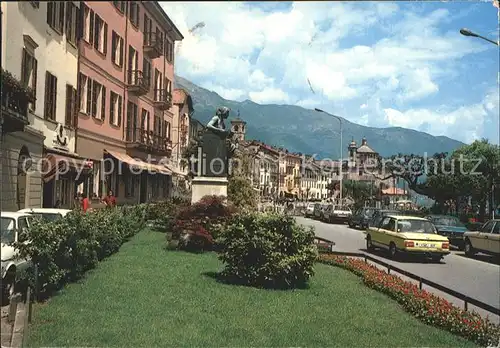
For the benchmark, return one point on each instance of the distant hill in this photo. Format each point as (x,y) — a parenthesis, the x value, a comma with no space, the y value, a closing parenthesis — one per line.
(306,131)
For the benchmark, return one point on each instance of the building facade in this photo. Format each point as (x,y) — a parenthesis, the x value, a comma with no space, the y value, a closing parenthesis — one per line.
(42,51)
(125,111)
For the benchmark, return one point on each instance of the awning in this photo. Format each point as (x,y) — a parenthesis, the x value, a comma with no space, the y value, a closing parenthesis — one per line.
(137,163)
(54,164)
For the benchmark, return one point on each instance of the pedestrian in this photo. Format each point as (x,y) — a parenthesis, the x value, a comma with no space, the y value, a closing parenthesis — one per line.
(85,203)
(110,200)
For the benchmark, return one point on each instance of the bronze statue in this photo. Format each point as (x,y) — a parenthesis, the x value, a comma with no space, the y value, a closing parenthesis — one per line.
(216,146)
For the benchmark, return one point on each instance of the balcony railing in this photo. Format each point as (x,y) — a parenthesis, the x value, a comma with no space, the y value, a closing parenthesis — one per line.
(153,45)
(163,99)
(14,112)
(147,140)
(138,83)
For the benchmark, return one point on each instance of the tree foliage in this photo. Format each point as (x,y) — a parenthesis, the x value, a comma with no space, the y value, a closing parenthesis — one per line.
(359,191)
(241,193)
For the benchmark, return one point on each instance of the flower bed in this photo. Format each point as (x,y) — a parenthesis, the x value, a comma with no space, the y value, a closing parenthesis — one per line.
(428,307)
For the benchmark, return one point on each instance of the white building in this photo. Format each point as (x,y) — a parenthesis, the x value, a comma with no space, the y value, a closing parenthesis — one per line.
(39,42)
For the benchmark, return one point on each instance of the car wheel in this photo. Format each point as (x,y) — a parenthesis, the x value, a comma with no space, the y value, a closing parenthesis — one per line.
(469,250)
(392,251)
(369,244)
(436,259)
(350,224)
(8,287)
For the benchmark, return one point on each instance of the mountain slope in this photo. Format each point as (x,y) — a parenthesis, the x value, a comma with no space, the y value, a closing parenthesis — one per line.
(310,132)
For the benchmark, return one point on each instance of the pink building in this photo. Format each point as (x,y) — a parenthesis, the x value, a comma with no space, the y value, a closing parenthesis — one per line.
(126,72)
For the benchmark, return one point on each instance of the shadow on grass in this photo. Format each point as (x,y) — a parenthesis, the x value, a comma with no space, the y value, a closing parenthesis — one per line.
(228,280)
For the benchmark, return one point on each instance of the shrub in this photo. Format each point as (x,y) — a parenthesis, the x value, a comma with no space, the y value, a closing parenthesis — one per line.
(64,249)
(267,250)
(427,307)
(162,214)
(197,225)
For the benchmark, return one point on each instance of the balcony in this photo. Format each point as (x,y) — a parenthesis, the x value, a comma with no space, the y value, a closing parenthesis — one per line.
(163,99)
(138,84)
(14,112)
(153,45)
(148,141)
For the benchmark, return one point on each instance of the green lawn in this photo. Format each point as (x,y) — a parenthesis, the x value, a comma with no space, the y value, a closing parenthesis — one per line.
(145,296)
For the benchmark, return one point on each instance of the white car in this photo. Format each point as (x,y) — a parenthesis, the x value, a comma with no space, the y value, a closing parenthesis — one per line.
(337,213)
(12,227)
(48,214)
(486,240)
(309,210)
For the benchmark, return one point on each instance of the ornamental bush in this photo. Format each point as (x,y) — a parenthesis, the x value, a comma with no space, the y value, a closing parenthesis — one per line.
(267,250)
(64,249)
(205,218)
(427,307)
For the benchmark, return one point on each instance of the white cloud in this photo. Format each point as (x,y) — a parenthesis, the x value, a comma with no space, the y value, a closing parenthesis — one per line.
(269,56)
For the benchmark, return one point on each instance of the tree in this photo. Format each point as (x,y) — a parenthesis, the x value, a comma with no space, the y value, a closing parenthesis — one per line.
(241,193)
(359,191)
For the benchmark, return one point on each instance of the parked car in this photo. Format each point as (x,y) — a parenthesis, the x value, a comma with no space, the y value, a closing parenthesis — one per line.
(318,210)
(412,235)
(486,240)
(450,227)
(379,214)
(12,228)
(336,213)
(48,214)
(361,217)
(309,210)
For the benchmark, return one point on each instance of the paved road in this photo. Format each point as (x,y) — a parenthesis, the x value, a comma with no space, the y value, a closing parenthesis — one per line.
(478,278)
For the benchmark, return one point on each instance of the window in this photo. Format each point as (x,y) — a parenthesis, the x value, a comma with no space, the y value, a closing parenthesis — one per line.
(22,224)
(120,6)
(134,13)
(487,227)
(88,25)
(85,94)
(132,115)
(50,96)
(168,86)
(100,35)
(129,185)
(71,22)
(145,120)
(169,51)
(29,67)
(70,106)
(133,65)
(496,229)
(55,15)
(116,49)
(148,28)
(98,104)
(166,130)
(115,109)
(158,81)
(146,71)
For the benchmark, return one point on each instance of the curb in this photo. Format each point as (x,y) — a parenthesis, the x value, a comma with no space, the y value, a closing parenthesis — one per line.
(18,327)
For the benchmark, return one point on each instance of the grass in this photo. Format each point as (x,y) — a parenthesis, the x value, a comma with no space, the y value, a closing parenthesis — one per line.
(147,296)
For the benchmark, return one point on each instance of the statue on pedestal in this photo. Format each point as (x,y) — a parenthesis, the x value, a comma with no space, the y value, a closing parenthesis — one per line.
(216,146)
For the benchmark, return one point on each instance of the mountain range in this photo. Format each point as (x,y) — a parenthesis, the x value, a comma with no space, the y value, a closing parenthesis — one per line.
(310,132)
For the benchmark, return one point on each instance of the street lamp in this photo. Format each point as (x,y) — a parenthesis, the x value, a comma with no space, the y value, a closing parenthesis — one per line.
(341,145)
(467,32)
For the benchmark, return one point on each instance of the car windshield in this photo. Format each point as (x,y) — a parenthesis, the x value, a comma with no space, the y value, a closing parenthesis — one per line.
(48,216)
(416,226)
(369,212)
(447,221)
(7,230)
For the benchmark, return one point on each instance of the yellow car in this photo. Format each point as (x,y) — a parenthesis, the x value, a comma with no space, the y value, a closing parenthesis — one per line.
(408,235)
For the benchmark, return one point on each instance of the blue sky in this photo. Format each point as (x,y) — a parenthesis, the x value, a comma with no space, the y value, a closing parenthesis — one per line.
(379,64)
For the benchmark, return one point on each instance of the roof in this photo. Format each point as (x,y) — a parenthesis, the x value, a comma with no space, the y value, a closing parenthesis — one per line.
(365,149)
(172,30)
(45,210)
(394,191)
(181,96)
(406,217)
(13,215)
(238,120)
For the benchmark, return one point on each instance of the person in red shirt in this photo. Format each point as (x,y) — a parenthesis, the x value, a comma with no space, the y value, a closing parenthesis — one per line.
(85,203)
(110,200)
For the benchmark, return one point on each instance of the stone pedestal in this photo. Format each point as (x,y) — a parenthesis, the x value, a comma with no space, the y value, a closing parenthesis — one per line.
(206,186)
